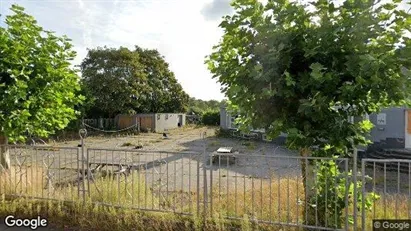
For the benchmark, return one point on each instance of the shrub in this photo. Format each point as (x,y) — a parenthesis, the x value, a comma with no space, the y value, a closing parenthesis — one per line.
(222,133)
(211,118)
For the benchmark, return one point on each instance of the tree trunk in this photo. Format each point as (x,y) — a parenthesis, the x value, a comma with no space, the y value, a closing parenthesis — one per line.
(4,153)
(307,169)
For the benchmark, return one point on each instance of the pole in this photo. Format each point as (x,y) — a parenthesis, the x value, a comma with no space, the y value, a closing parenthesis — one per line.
(363,195)
(82,134)
(355,173)
(205,180)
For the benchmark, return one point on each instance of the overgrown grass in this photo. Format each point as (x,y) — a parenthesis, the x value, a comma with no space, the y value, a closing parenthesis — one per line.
(248,199)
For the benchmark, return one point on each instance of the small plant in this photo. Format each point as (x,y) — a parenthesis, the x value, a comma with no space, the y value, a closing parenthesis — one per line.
(330,188)
(127,144)
(252,146)
(245,223)
(198,223)
(222,133)
(249,145)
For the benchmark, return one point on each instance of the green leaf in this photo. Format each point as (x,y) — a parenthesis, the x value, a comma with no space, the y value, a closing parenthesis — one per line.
(289,80)
(346,57)
(316,71)
(389,6)
(34,73)
(366,125)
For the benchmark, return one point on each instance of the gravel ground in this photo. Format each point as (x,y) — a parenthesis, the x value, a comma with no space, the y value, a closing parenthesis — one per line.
(177,163)
(176,160)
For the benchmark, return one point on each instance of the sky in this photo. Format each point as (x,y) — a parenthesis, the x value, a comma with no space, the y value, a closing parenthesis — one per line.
(183,31)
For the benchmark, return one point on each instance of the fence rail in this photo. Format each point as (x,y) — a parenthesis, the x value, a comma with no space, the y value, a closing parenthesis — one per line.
(269,189)
(102,123)
(390,179)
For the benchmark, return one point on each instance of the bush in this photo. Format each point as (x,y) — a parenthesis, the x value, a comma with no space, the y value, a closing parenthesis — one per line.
(211,118)
(222,133)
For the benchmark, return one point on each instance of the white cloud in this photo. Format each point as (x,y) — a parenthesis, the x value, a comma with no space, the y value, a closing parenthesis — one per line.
(175,27)
(179,32)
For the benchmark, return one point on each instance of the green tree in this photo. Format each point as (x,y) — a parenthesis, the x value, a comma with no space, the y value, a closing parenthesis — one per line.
(287,67)
(125,81)
(198,106)
(114,80)
(166,94)
(211,118)
(38,89)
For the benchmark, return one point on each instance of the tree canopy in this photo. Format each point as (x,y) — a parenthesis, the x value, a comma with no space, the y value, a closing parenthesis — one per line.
(130,81)
(198,106)
(304,69)
(38,88)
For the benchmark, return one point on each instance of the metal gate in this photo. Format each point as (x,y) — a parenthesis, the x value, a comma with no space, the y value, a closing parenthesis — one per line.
(390,181)
(264,188)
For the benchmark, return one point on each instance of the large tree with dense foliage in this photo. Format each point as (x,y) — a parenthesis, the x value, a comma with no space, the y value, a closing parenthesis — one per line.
(38,88)
(165,93)
(130,81)
(304,69)
(114,80)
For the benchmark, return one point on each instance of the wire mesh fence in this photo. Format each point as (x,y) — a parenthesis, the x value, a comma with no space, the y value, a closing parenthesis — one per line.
(390,181)
(272,190)
(41,172)
(268,188)
(148,180)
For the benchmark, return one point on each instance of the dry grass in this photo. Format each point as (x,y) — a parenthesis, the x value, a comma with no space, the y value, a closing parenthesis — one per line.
(276,201)
(186,128)
(26,180)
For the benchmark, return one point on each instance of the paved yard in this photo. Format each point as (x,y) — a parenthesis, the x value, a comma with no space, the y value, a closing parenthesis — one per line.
(173,164)
(175,170)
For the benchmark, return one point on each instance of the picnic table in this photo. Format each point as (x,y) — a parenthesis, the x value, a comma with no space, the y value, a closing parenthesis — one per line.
(224,154)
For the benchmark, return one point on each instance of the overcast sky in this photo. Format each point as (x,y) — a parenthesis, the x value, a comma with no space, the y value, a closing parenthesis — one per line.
(184,31)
